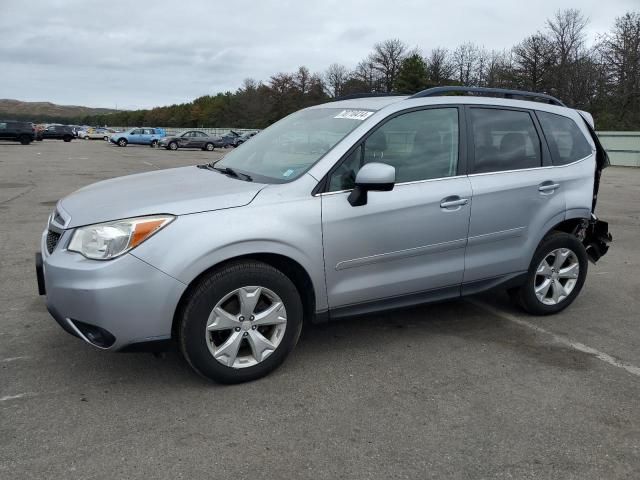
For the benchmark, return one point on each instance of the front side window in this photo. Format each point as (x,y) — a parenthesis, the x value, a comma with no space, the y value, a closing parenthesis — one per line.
(421,145)
(288,148)
(566,142)
(504,140)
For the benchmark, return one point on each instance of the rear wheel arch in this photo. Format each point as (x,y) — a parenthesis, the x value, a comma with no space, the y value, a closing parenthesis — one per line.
(290,267)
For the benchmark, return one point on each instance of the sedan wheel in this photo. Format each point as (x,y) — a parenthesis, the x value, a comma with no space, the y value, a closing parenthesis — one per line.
(209,147)
(173,146)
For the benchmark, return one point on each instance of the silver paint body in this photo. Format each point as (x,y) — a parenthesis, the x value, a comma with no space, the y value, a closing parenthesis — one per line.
(402,242)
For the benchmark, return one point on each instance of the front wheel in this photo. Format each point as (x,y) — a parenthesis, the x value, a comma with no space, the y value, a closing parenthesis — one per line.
(67,138)
(106,139)
(25,139)
(173,146)
(122,142)
(240,322)
(555,277)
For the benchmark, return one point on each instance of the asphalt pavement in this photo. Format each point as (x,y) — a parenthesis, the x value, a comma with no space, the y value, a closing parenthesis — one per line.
(469,389)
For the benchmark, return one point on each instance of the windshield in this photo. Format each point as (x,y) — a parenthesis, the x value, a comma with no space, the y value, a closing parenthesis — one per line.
(288,148)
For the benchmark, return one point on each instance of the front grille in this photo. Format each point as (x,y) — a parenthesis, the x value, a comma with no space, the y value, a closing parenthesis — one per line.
(52,241)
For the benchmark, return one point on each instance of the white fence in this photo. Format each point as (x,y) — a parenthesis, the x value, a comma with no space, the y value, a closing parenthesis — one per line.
(623,147)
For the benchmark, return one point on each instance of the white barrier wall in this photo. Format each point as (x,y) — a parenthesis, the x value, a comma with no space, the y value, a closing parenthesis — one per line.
(623,147)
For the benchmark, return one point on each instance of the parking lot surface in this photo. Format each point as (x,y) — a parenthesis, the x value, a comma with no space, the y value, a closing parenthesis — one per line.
(468,389)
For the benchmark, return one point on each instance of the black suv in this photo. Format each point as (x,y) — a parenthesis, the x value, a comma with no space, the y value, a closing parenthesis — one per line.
(58,132)
(23,132)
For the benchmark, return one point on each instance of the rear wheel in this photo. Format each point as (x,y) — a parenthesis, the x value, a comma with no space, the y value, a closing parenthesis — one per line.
(122,142)
(25,139)
(209,147)
(154,143)
(67,138)
(173,146)
(106,138)
(556,275)
(240,322)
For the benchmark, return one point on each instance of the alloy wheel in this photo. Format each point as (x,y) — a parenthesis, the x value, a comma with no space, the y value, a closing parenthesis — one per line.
(246,326)
(556,276)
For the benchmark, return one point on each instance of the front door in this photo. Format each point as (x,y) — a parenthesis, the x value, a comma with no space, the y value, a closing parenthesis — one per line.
(410,240)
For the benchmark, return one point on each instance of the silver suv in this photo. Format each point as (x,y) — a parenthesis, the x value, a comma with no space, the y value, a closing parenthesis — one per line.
(341,209)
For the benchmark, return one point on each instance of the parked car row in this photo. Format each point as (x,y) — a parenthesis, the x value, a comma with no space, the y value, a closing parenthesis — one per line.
(26,132)
(157,137)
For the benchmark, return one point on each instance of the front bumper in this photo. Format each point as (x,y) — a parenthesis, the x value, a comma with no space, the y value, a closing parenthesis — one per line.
(109,304)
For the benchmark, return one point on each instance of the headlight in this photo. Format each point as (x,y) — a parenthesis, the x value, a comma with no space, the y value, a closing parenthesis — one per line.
(104,241)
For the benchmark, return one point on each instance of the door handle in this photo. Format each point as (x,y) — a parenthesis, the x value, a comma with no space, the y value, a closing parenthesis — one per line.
(548,187)
(453,201)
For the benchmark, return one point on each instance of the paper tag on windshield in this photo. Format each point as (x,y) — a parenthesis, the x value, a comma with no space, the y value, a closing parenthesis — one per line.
(354,114)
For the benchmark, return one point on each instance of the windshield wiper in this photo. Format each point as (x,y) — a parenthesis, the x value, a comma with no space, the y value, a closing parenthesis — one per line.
(232,173)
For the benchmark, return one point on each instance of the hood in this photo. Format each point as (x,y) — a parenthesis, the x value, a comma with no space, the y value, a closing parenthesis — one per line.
(177,191)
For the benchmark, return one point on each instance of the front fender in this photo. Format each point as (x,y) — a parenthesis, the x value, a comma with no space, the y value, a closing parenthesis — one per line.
(194,243)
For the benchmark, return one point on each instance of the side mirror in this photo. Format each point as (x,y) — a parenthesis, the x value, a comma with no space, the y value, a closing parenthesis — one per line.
(374,176)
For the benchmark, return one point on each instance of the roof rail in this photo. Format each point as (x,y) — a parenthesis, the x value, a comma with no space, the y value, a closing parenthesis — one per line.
(489,92)
(352,96)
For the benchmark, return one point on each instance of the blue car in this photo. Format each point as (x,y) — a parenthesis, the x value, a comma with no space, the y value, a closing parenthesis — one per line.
(138,136)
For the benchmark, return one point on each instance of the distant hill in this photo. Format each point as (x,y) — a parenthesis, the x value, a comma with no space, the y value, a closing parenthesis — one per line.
(46,111)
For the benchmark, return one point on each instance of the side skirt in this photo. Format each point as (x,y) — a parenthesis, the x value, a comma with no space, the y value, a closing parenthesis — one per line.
(420,298)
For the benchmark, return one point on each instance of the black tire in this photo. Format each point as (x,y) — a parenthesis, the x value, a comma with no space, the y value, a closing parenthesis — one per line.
(209,147)
(105,138)
(172,146)
(525,295)
(87,138)
(154,143)
(67,138)
(122,142)
(207,293)
(24,139)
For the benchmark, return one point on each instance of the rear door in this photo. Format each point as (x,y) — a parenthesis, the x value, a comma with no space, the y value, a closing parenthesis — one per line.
(516,191)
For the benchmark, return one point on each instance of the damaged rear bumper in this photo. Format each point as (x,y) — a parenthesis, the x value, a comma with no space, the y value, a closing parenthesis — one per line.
(596,238)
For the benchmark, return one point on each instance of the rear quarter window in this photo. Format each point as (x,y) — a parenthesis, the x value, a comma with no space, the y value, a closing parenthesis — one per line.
(566,141)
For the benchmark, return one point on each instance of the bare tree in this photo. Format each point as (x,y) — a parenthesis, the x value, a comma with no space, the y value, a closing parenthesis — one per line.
(620,50)
(386,58)
(567,36)
(302,79)
(534,61)
(367,75)
(439,66)
(497,70)
(465,62)
(335,77)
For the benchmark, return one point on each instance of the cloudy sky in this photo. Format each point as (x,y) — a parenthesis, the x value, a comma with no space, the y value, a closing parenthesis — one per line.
(142,54)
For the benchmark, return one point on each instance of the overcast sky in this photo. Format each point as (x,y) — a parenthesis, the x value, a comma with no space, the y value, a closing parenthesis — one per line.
(142,54)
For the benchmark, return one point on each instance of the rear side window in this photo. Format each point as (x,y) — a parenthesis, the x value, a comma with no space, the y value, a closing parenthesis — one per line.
(504,140)
(566,142)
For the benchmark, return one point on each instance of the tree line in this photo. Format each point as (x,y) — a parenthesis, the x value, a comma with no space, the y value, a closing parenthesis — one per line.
(602,78)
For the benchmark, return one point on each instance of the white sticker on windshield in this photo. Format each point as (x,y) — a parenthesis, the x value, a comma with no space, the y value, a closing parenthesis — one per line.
(287,173)
(354,114)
